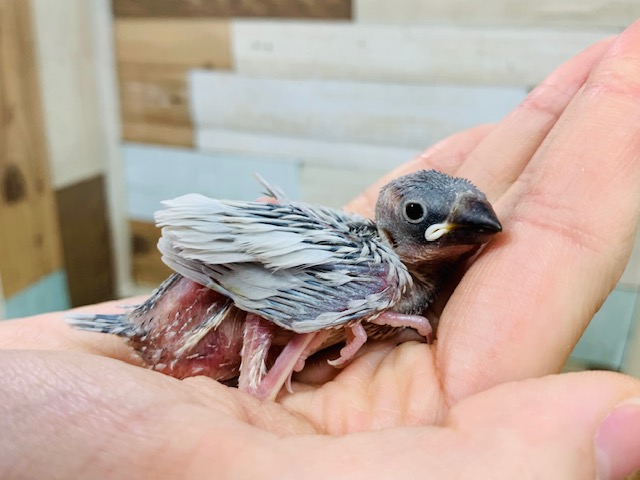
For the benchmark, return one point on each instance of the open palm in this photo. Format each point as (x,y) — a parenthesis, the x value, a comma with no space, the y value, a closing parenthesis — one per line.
(562,171)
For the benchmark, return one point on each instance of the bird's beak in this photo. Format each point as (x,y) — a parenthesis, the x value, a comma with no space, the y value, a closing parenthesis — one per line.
(472,220)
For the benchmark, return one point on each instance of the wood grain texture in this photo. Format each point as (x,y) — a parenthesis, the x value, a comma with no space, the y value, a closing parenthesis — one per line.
(29,236)
(86,241)
(542,13)
(158,133)
(147,266)
(154,94)
(325,9)
(190,43)
(403,54)
(68,82)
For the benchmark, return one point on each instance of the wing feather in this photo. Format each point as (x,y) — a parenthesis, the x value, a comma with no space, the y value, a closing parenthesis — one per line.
(302,267)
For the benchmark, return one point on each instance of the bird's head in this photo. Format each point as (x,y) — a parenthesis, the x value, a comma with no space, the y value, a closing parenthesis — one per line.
(428,216)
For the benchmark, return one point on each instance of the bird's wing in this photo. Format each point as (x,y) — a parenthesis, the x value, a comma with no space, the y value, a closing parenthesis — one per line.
(304,268)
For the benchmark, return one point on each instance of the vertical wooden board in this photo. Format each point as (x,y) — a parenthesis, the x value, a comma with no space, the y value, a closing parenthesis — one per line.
(86,241)
(364,112)
(147,266)
(393,53)
(322,9)
(154,94)
(29,237)
(304,150)
(543,13)
(189,43)
(69,91)
(158,133)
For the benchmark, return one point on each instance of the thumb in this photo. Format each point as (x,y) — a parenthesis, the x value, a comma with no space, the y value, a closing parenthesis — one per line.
(579,425)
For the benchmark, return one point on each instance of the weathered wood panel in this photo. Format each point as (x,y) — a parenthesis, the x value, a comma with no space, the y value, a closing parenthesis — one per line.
(158,133)
(147,265)
(190,43)
(358,112)
(404,54)
(68,84)
(327,9)
(304,150)
(542,13)
(29,236)
(86,241)
(154,94)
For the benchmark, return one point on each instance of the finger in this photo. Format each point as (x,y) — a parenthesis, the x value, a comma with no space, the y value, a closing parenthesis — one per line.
(502,155)
(445,156)
(569,223)
(49,332)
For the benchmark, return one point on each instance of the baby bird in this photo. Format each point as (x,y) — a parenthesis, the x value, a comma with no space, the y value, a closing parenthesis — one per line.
(261,286)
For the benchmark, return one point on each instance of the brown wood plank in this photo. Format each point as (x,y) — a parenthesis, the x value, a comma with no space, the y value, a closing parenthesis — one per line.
(193,43)
(29,235)
(325,9)
(86,241)
(158,133)
(147,266)
(154,94)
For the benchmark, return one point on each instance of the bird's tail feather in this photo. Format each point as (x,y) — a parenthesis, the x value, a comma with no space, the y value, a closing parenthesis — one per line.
(116,324)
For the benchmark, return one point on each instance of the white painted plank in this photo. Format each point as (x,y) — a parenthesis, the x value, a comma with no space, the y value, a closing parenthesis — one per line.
(334,186)
(157,173)
(358,112)
(69,89)
(393,53)
(541,13)
(302,150)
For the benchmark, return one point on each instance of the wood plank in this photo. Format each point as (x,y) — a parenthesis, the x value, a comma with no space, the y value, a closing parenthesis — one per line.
(156,173)
(542,13)
(404,54)
(326,9)
(303,150)
(187,42)
(86,243)
(67,71)
(158,133)
(147,266)
(29,237)
(343,111)
(154,94)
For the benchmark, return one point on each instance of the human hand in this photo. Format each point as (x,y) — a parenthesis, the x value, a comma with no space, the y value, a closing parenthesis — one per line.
(563,174)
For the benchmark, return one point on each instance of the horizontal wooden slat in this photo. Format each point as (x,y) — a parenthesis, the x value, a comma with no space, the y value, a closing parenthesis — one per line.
(187,42)
(304,150)
(158,133)
(154,174)
(403,53)
(358,112)
(543,13)
(147,265)
(86,243)
(335,9)
(154,94)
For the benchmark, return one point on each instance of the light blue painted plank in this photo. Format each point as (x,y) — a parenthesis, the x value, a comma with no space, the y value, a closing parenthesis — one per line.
(603,343)
(345,111)
(154,174)
(48,294)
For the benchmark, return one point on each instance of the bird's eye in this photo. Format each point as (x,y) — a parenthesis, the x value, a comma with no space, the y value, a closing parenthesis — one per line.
(414,212)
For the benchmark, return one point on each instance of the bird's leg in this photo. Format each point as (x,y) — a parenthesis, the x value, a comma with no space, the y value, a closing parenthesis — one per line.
(258,334)
(284,366)
(417,322)
(356,337)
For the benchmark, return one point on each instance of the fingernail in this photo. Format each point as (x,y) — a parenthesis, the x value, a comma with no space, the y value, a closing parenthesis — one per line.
(617,442)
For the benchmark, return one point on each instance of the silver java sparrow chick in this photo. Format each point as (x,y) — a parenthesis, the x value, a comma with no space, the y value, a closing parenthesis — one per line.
(261,286)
